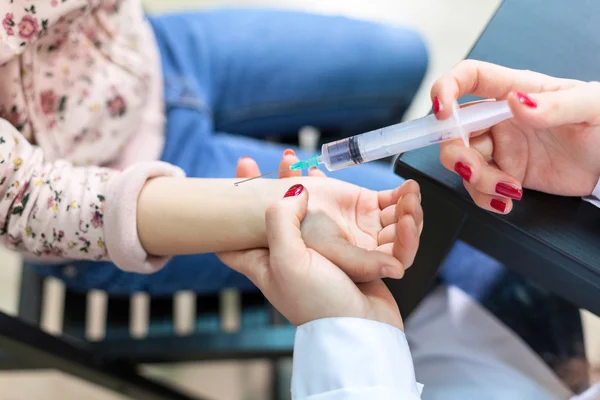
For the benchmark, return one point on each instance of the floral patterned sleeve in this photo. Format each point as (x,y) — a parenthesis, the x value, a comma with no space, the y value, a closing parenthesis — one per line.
(54,211)
(81,80)
(51,210)
(24,21)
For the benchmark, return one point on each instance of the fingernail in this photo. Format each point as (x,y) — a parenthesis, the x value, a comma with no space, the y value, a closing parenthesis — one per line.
(526,100)
(294,191)
(509,190)
(391,272)
(289,152)
(244,158)
(437,106)
(463,170)
(498,205)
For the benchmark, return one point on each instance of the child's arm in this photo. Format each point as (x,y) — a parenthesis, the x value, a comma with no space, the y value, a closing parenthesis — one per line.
(55,211)
(182,216)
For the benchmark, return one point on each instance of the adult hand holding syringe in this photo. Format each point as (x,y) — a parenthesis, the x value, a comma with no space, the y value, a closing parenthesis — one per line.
(406,136)
(552,143)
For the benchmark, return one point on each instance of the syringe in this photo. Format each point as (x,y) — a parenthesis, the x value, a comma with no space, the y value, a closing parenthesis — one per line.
(406,136)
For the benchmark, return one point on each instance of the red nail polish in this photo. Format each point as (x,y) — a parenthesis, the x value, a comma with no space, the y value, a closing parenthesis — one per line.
(437,106)
(526,100)
(509,190)
(289,152)
(294,191)
(463,170)
(498,205)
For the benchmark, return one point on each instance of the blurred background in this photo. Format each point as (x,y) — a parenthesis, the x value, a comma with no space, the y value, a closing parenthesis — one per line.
(450,29)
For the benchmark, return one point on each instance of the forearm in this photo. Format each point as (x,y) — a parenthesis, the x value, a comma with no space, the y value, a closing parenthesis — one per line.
(189,216)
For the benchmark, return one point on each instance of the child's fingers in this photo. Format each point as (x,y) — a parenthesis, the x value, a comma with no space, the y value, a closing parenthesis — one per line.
(289,158)
(390,197)
(246,168)
(387,235)
(410,204)
(409,214)
(497,204)
(406,242)
(316,172)
(388,216)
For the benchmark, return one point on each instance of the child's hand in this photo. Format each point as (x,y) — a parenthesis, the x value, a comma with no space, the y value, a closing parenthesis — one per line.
(304,284)
(346,223)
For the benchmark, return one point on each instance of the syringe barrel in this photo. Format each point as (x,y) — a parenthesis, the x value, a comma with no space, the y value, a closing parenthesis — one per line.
(376,144)
(406,136)
(340,154)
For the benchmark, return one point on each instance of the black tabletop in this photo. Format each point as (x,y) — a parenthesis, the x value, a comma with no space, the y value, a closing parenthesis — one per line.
(563,231)
(567,224)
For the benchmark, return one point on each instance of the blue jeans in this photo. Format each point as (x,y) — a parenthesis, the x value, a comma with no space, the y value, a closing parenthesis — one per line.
(256,74)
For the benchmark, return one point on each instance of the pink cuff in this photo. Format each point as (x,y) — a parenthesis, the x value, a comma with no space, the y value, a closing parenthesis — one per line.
(120,217)
(594,198)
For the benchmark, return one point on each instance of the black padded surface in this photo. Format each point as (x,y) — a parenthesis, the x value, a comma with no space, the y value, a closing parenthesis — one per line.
(565,224)
(553,240)
(555,37)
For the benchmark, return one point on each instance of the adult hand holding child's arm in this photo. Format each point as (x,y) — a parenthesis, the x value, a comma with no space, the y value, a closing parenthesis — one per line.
(349,342)
(179,216)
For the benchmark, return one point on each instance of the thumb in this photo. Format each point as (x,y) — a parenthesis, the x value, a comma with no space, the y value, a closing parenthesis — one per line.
(578,104)
(283,221)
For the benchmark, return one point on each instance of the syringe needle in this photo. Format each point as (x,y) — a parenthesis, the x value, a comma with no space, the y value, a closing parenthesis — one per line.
(261,176)
(298,166)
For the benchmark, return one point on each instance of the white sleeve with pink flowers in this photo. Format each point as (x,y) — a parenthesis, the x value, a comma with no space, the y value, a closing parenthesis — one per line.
(24,21)
(55,211)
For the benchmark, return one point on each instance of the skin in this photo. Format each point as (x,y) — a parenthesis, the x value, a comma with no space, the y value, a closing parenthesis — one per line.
(552,147)
(360,219)
(300,261)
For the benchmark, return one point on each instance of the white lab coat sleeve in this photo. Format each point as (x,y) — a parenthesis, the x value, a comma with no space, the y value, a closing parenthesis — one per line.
(352,359)
(592,393)
(594,198)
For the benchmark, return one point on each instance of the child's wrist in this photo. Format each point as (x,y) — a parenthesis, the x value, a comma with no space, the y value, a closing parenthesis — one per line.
(257,196)
(191,215)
